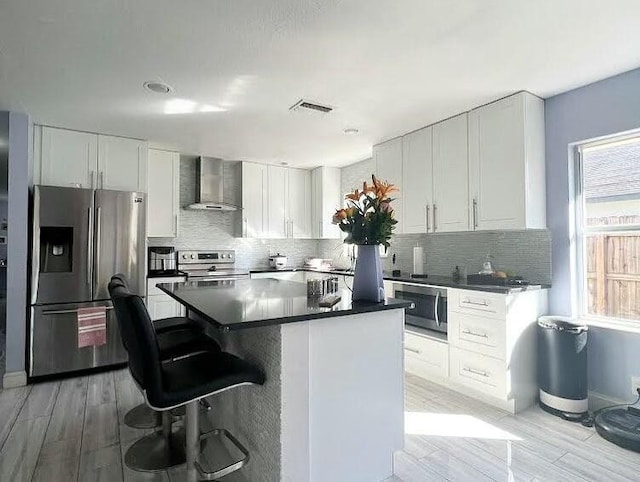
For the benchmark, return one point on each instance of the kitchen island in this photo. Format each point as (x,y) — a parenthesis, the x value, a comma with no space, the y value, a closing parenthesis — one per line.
(332,408)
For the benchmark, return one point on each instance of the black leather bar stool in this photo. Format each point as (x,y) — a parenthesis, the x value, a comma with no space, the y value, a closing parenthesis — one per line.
(177,336)
(181,382)
(164,448)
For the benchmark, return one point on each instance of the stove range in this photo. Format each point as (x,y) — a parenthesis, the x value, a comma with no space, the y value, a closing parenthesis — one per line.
(215,265)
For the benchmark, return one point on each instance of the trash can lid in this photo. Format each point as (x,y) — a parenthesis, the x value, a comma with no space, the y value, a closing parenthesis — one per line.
(562,323)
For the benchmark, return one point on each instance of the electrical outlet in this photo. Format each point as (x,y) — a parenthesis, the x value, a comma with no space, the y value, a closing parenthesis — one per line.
(635,384)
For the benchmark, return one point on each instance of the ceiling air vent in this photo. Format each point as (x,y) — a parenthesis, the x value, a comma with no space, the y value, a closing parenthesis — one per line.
(312,106)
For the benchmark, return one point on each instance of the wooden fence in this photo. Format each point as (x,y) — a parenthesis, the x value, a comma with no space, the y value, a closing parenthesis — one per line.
(613,275)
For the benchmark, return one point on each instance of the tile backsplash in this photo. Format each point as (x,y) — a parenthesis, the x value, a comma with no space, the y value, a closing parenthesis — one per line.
(218,230)
(526,253)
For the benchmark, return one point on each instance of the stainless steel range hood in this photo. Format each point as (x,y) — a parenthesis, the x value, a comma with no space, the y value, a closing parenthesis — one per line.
(210,186)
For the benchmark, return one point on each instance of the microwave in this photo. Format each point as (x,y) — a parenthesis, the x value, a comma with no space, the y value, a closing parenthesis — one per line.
(430,306)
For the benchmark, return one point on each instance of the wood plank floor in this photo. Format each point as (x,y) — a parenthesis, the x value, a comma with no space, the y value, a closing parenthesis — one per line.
(73,430)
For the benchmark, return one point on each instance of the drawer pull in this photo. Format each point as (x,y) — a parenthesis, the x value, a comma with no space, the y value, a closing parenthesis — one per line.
(475,372)
(479,335)
(412,350)
(474,303)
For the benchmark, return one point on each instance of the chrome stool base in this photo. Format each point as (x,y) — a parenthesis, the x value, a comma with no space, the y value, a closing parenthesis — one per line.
(194,446)
(142,416)
(156,452)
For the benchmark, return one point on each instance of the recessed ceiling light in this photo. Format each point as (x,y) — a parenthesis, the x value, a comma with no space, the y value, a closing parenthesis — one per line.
(351,131)
(157,87)
(284,163)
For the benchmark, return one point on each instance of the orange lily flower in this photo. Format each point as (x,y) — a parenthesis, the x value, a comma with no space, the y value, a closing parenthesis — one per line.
(383,188)
(354,196)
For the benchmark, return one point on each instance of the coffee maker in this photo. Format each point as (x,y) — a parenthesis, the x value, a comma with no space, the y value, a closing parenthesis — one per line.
(162,261)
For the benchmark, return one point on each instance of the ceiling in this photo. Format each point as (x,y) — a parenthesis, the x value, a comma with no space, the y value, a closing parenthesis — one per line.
(388,67)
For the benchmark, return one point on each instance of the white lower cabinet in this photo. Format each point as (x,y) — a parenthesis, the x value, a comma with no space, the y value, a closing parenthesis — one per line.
(425,356)
(161,305)
(482,373)
(490,351)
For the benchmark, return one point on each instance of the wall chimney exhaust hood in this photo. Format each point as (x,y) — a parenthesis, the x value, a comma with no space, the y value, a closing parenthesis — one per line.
(210,186)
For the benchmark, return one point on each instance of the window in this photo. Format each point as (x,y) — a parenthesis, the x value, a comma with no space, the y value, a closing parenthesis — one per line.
(608,227)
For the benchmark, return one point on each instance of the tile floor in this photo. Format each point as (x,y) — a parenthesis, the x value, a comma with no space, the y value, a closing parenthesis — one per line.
(72,430)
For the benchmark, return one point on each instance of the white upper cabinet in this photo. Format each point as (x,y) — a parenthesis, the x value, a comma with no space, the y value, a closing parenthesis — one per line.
(68,158)
(254,200)
(387,159)
(417,181)
(81,159)
(450,209)
(277,219)
(276,202)
(122,164)
(326,198)
(506,164)
(163,199)
(298,203)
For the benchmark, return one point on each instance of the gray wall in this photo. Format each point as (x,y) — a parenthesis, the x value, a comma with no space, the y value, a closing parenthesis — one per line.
(20,179)
(209,230)
(607,107)
(526,253)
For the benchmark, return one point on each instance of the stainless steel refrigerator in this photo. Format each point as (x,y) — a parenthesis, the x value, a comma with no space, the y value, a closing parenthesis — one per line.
(81,237)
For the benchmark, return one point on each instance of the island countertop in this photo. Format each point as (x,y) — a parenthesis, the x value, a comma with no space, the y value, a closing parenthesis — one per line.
(252,303)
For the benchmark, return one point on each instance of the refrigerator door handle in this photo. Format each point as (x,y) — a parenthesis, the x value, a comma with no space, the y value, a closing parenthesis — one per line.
(68,312)
(96,271)
(89,247)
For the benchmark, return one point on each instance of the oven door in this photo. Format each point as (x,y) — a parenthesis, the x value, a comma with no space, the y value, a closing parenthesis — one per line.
(430,306)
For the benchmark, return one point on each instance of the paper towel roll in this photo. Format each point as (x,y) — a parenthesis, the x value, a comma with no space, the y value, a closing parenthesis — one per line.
(418,260)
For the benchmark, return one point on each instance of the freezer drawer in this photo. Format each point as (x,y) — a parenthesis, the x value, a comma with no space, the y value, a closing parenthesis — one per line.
(54,341)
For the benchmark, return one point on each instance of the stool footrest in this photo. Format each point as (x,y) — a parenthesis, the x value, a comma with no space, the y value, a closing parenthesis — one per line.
(221,472)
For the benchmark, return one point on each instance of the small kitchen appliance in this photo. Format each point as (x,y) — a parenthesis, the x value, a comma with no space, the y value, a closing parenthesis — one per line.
(162,261)
(278,261)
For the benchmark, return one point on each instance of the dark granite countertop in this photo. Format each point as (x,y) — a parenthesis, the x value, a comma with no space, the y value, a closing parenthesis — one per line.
(431,280)
(241,304)
(166,274)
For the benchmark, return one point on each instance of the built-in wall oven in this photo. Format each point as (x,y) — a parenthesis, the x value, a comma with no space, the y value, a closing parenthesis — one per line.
(430,306)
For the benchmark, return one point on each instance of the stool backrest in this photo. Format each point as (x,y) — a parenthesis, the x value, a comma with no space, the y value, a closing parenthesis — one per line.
(138,336)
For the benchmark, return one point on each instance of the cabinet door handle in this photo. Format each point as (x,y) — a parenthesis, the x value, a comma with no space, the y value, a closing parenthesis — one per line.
(175,225)
(427,216)
(471,333)
(91,178)
(435,227)
(412,350)
(475,213)
(101,179)
(244,227)
(475,372)
(474,303)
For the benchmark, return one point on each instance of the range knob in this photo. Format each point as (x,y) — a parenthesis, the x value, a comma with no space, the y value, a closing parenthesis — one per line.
(193,256)
(222,256)
(184,256)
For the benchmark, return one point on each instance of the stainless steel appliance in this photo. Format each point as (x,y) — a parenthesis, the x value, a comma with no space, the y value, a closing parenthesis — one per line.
(430,310)
(215,265)
(81,237)
(278,261)
(210,186)
(162,261)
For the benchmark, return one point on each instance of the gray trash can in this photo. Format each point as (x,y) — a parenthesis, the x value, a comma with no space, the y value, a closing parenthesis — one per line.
(562,367)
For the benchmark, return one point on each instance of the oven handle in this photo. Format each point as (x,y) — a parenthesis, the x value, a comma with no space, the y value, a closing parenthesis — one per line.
(435,309)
